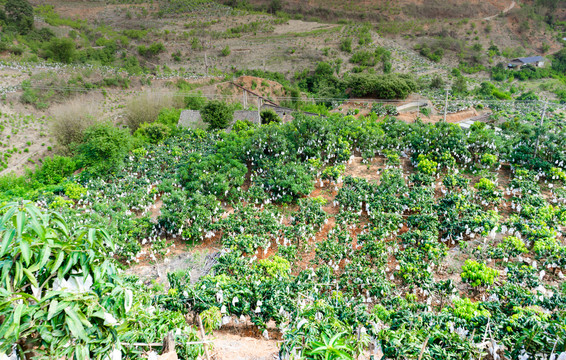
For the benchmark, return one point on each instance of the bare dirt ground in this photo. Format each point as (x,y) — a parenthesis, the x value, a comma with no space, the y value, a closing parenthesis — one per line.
(369,171)
(505,11)
(300,26)
(229,346)
(263,87)
(451,118)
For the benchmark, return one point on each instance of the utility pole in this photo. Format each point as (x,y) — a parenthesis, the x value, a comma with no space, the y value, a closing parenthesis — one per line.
(259,109)
(543,113)
(540,126)
(206,63)
(245,100)
(446,105)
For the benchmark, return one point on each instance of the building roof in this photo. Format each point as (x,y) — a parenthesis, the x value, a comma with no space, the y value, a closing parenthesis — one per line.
(189,118)
(252,116)
(529,60)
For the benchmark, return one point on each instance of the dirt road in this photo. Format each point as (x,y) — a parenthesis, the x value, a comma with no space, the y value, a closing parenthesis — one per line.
(505,11)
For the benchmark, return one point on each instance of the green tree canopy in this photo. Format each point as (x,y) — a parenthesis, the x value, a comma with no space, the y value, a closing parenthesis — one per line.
(268,116)
(217,115)
(19,13)
(104,147)
(390,86)
(60,49)
(559,63)
(49,279)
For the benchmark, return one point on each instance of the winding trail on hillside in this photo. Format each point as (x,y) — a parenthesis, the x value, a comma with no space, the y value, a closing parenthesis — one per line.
(505,11)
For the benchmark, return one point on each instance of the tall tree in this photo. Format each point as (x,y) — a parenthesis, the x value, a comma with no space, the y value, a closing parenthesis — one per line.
(559,62)
(19,13)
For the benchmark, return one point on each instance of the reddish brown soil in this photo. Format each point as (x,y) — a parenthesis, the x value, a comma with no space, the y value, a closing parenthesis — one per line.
(451,118)
(228,345)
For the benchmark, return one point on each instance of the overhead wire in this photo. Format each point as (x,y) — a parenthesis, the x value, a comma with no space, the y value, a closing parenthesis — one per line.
(283,98)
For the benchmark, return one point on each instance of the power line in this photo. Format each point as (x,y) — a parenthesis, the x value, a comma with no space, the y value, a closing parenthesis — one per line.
(358,100)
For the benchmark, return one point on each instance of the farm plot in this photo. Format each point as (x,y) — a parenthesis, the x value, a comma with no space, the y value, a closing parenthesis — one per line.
(333,255)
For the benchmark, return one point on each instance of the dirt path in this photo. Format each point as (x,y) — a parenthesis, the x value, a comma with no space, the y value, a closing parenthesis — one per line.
(234,347)
(505,11)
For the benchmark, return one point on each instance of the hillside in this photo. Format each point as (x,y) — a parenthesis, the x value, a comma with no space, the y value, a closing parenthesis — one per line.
(379,10)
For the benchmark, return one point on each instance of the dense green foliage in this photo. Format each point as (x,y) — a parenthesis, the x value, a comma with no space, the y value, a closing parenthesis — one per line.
(217,114)
(59,286)
(559,62)
(104,147)
(412,217)
(19,14)
(268,116)
(391,86)
(60,50)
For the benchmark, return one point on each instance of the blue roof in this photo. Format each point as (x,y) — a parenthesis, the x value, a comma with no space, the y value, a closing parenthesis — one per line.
(528,60)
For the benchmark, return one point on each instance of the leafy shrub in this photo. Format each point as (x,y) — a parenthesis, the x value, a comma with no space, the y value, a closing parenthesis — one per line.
(557,174)
(74,191)
(488,160)
(467,310)
(274,267)
(55,169)
(427,166)
(346,45)
(460,85)
(60,49)
(19,14)
(522,274)
(153,132)
(387,66)
(196,44)
(246,243)
(60,203)
(513,246)
(333,172)
(211,319)
(217,114)
(287,181)
(242,125)
(432,54)
(363,58)
(478,274)
(485,184)
(104,148)
(546,247)
(45,241)
(487,192)
(559,62)
(269,116)
(151,50)
(169,117)
(195,101)
(436,82)
(135,33)
(213,174)
(390,86)
(226,51)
